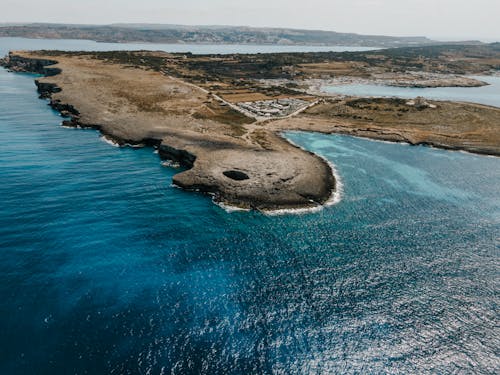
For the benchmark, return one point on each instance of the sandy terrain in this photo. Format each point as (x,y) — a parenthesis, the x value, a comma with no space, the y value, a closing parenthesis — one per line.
(240,161)
(138,106)
(461,126)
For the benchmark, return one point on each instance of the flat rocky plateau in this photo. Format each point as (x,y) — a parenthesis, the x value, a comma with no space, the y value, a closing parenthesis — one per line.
(240,164)
(240,161)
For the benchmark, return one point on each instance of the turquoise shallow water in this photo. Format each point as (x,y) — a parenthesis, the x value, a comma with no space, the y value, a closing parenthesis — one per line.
(489,95)
(105,268)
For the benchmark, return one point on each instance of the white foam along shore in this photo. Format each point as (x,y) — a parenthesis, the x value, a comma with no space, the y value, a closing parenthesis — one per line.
(335,197)
(109,141)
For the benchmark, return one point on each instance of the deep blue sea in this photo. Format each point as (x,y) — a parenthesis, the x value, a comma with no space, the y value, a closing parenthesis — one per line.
(107,269)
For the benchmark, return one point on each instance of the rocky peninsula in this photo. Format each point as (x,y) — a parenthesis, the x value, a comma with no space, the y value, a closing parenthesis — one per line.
(216,117)
(240,164)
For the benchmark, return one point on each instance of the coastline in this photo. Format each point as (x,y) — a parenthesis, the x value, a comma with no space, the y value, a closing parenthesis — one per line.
(243,163)
(336,194)
(432,123)
(275,193)
(403,80)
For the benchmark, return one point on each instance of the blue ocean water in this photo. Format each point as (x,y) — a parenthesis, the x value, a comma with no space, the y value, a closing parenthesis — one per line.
(107,269)
(489,95)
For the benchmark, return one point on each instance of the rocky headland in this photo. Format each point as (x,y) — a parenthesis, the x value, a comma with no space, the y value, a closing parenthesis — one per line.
(225,156)
(224,128)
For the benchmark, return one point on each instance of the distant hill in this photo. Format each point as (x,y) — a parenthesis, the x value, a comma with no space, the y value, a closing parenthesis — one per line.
(153,33)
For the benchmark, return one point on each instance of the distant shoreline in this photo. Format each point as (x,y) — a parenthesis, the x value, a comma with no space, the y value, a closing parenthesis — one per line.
(180,43)
(178,34)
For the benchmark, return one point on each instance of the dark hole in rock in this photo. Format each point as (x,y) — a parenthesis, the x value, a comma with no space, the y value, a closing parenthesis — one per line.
(236,175)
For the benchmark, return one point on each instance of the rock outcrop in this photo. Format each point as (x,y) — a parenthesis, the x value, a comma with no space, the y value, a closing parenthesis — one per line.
(239,165)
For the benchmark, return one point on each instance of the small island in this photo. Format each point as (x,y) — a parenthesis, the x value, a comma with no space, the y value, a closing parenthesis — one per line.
(221,116)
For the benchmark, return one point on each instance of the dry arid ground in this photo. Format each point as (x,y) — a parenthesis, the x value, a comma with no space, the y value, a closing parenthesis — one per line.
(241,164)
(460,126)
(175,103)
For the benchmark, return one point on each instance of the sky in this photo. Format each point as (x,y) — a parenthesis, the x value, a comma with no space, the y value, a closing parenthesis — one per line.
(445,19)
